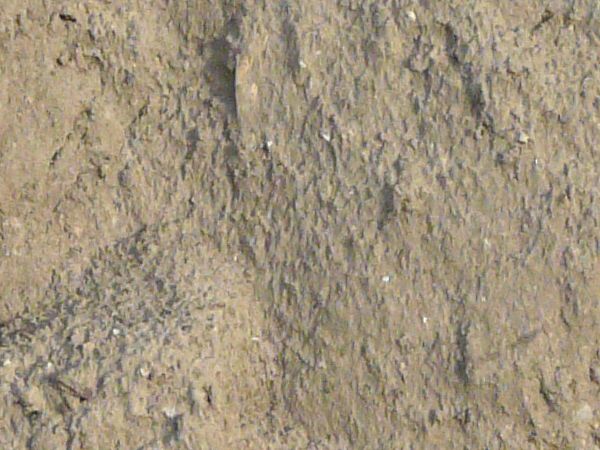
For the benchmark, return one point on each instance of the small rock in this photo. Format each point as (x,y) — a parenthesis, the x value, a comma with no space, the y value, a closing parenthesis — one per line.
(145,372)
(124,177)
(385,279)
(522,138)
(77,337)
(34,399)
(585,413)
(326,136)
(170,412)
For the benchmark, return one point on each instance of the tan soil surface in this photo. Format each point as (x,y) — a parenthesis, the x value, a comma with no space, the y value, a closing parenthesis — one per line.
(318,224)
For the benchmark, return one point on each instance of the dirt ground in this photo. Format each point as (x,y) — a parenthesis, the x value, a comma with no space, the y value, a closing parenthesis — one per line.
(317,224)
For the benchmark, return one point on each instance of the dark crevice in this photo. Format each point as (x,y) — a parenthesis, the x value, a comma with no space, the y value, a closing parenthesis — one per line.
(221,74)
(388,208)
(473,88)
(462,359)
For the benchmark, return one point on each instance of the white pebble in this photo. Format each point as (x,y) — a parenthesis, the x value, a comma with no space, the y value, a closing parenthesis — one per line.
(170,412)
(385,279)
(425,319)
(116,332)
(411,15)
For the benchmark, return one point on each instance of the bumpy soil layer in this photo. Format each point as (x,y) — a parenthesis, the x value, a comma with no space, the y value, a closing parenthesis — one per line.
(299,224)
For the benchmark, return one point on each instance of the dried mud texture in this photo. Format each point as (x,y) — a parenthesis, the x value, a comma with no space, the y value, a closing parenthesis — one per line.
(157,346)
(409,187)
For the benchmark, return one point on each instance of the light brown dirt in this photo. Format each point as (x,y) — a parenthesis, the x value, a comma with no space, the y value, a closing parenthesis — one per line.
(316,224)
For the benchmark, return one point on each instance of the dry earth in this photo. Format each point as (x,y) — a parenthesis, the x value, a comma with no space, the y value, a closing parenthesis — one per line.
(319,224)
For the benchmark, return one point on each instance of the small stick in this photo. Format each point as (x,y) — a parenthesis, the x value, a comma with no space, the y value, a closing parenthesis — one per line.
(73,389)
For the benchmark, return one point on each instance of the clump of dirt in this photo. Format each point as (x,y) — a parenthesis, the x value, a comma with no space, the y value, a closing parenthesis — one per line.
(409,190)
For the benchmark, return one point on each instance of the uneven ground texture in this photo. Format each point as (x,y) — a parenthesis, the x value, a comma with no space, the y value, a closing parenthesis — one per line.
(300,224)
